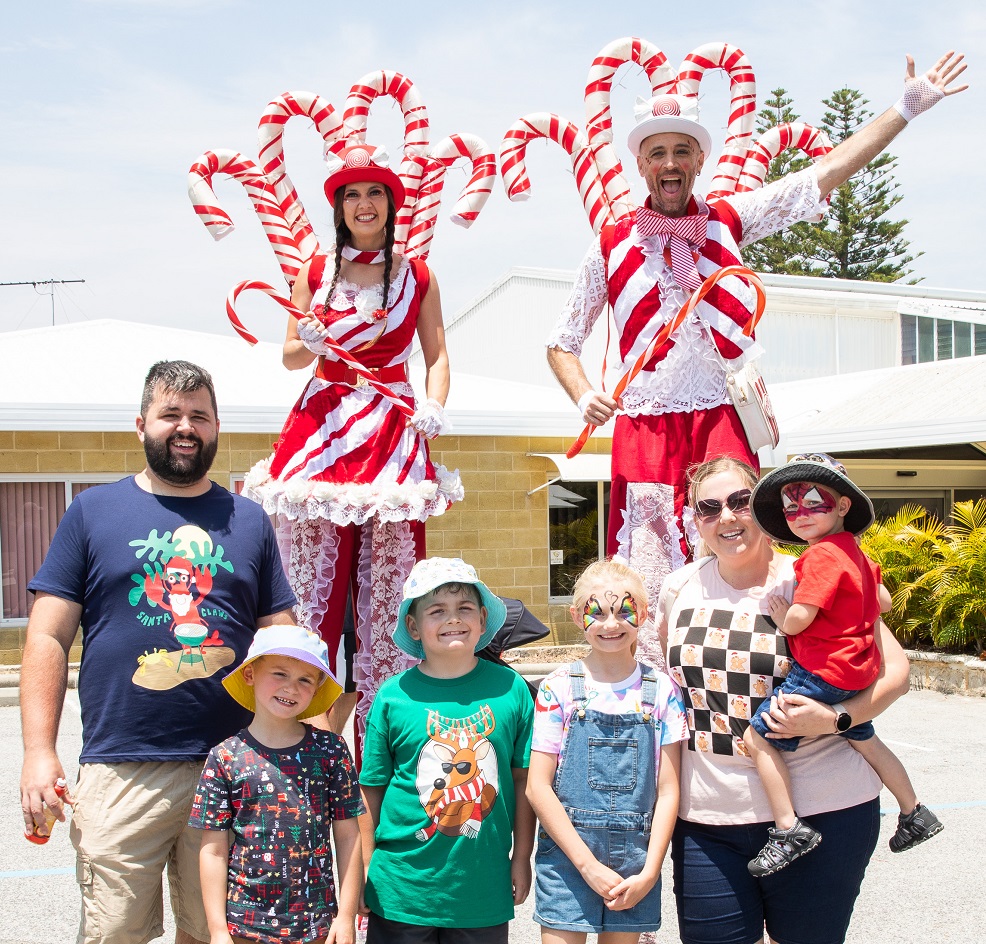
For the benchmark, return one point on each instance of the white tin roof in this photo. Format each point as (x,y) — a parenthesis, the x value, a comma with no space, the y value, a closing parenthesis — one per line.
(89,375)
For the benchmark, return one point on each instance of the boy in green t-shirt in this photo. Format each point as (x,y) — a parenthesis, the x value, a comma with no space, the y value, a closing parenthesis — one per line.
(440,738)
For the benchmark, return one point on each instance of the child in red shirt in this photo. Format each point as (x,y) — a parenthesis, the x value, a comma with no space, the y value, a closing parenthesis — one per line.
(830,630)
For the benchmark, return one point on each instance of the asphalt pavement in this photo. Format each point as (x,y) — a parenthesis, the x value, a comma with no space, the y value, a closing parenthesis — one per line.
(930,894)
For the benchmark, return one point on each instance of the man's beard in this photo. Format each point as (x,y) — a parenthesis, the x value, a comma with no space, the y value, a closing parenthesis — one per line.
(176,469)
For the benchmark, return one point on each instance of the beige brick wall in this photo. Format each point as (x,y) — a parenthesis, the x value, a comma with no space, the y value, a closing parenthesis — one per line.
(499,528)
(65,453)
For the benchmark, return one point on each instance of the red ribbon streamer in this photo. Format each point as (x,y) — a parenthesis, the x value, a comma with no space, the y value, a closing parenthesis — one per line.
(672,326)
(336,348)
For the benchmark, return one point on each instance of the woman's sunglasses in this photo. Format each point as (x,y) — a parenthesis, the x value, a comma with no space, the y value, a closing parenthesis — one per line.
(738,503)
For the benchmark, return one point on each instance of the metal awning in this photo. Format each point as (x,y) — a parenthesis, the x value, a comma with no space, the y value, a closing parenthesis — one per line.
(585,467)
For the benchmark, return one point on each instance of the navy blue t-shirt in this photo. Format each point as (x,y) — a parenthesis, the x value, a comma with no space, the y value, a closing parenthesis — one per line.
(171,590)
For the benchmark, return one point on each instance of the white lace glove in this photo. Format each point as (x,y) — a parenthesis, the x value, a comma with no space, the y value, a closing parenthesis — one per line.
(919,95)
(313,335)
(430,420)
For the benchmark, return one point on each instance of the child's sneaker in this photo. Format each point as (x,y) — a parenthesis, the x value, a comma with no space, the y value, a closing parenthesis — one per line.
(914,828)
(783,847)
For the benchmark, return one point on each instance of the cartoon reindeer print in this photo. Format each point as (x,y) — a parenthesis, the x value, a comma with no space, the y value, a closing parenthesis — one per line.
(464,793)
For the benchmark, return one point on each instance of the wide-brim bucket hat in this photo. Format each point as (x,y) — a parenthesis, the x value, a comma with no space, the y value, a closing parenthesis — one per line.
(297,643)
(767,504)
(667,113)
(358,163)
(432,573)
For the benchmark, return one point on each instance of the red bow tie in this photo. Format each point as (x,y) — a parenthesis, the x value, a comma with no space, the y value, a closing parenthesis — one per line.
(680,234)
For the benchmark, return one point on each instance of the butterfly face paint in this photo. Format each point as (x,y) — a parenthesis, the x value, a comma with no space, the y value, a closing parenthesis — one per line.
(625,609)
(628,610)
(591,612)
(806,498)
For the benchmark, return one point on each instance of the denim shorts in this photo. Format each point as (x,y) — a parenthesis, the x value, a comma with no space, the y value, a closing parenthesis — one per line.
(800,681)
(564,901)
(809,902)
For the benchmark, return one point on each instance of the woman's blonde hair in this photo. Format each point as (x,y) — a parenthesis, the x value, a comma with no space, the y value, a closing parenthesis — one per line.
(701,471)
(698,473)
(613,570)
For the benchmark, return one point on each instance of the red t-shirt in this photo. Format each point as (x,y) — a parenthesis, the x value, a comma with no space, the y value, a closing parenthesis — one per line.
(839,645)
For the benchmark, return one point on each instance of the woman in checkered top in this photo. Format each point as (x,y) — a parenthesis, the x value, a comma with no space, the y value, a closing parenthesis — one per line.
(727,656)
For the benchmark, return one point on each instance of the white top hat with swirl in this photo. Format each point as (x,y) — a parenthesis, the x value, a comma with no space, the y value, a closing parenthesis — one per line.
(664,113)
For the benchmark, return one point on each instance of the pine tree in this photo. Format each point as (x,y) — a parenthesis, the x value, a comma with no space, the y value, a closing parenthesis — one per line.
(857,241)
(787,252)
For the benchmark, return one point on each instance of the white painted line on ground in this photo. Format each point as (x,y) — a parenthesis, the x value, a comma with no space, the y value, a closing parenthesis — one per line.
(910,747)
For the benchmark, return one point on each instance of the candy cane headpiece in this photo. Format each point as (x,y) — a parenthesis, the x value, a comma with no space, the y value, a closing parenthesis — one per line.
(598,172)
(664,113)
(357,163)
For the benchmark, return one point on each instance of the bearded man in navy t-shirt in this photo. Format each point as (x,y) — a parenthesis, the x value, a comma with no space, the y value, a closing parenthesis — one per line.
(169,576)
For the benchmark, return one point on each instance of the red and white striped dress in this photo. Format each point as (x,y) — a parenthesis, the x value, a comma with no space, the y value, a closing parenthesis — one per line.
(345,453)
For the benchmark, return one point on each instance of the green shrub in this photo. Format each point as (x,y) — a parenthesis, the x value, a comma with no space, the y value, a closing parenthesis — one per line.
(936,575)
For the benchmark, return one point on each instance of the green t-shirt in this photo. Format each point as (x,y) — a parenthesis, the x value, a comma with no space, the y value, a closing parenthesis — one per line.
(446,822)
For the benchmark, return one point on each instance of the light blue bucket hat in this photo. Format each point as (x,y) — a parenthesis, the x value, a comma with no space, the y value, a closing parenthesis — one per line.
(432,573)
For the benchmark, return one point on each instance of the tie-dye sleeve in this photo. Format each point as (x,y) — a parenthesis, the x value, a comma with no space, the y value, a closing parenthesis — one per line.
(674,723)
(554,695)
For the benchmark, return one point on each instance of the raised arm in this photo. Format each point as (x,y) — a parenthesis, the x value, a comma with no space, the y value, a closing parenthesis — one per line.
(920,93)
(44,676)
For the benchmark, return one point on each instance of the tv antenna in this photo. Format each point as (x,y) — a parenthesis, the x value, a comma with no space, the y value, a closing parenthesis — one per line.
(52,283)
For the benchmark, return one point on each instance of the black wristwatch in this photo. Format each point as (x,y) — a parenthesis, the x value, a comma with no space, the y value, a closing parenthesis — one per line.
(843,720)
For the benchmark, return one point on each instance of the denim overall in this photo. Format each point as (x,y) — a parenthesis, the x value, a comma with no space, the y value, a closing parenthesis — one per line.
(607,782)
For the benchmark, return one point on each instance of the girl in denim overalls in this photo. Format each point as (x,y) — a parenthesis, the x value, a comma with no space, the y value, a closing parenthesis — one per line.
(604,773)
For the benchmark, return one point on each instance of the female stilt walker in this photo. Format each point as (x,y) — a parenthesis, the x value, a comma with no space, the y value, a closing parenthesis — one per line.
(350,479)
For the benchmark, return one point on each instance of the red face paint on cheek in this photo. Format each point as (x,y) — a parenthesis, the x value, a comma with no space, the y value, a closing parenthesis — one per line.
(806,498)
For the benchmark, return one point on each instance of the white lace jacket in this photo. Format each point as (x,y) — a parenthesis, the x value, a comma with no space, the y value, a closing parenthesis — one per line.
(691,377)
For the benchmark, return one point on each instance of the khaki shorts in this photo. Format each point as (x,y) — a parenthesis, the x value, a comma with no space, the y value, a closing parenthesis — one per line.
(129,822)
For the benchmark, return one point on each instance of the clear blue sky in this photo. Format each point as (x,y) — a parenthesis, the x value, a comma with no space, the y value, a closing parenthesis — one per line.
(106,104)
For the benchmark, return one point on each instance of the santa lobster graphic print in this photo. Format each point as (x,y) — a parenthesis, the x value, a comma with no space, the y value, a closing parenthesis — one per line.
(171,591)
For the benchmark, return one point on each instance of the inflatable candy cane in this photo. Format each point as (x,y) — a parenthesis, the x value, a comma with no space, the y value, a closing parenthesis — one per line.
(472,198)
(546,125)
(261,194)
(277,202)
(742,110)
(271,134)
(599,85)
(381,84)
(775,141)
(340,352)
(401,89)
(599,118)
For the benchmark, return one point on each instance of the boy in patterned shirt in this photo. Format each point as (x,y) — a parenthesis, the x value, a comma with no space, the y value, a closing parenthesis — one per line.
(277,786)
(831,633)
